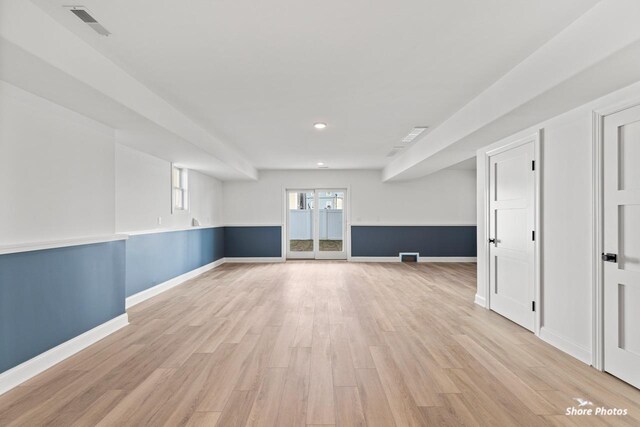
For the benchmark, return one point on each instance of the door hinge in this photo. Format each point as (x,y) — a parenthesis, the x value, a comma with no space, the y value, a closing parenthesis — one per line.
(533,165)
(533,306)
(533,235)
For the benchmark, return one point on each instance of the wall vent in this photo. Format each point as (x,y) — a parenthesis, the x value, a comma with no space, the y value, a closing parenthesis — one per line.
(409,256)
(84,15)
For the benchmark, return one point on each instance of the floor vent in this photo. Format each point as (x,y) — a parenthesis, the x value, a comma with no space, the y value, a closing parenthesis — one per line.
(409,256)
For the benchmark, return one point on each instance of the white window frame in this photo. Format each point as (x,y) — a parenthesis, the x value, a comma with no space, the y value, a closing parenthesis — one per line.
(182,186)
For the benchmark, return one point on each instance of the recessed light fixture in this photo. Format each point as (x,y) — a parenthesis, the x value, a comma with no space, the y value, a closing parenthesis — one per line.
(319,125)
(415,132)
(320,163)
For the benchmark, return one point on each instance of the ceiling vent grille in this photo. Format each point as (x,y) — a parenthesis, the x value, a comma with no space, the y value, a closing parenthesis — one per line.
(415,132)
(404,142)
(86,17)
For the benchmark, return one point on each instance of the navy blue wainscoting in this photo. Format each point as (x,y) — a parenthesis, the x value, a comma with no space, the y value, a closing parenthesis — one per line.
(155,258)
(49,296)
(429,241)
(258,241)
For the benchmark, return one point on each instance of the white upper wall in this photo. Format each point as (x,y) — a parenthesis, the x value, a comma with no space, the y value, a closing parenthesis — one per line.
(56,171)
(64,177)
(143,194)
(444,198)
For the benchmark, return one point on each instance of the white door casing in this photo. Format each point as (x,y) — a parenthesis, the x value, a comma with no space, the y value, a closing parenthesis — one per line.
(512,224)
(621,208)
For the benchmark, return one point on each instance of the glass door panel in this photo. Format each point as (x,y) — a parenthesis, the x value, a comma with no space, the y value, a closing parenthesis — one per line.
(331,224)
(301,224)
(316,224)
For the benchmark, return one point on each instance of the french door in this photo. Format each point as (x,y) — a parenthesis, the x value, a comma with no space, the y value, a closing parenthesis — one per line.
(622,245)
(316,223)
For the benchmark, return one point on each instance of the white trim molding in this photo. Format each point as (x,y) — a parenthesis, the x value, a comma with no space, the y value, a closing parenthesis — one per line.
(179,280)
(32,367)
(169,230)
(597,360)
(54,244)
(374,259)
(399,224)
(420,259)
(171,283)
(447,259)
(480,300)
(579,352)
(253,260)
(272,224)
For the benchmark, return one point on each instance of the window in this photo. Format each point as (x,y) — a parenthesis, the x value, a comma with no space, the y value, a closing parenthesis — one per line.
(180,188)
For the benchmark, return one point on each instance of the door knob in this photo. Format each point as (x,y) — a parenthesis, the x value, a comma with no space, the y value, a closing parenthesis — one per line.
(610,257)
(492,240)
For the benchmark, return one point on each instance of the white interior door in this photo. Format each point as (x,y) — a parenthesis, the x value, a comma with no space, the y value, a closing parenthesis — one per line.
(511,228)
(622,245)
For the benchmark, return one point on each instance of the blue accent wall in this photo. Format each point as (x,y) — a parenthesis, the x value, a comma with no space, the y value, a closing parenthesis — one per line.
(429,241)
(257,241)
(50,296)
(155,258)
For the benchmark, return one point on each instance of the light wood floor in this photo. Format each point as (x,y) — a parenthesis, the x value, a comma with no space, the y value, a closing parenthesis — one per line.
(318,343)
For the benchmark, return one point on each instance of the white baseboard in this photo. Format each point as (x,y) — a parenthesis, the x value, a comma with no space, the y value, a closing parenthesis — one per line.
(374,259)
(420,259)
(32,367)
(176,281)
(481,301)
(254,259)
(171,283)
(581,353)
(447,259)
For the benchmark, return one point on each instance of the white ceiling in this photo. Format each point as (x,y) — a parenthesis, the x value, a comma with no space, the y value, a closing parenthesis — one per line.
(258,74)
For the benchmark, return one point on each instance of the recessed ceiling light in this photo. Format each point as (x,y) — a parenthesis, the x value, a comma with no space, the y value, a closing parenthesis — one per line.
(415,132)
(319,125)
(320,164)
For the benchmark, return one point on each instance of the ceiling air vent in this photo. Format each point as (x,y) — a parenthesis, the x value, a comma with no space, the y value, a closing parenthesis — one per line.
(415,132)
(408,139)
(82,13)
